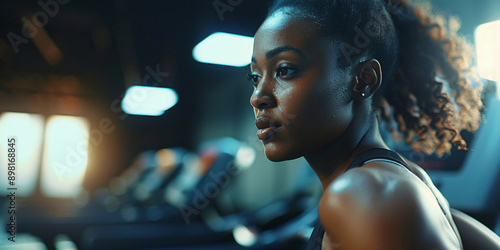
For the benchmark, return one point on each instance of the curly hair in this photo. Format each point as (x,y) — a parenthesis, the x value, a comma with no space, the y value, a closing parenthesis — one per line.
(429,95)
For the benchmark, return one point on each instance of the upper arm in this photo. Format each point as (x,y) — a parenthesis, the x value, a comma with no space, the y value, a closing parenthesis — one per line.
(370,208)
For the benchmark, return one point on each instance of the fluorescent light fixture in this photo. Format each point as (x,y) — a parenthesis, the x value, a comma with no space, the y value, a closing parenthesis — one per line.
(488,50)
(224,49)
(27,129)
(65,156)
(149,101)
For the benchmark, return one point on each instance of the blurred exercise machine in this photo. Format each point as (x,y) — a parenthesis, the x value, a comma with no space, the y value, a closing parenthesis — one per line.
(166,200)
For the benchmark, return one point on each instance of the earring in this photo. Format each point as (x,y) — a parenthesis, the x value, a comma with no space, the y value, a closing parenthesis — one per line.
(363,94)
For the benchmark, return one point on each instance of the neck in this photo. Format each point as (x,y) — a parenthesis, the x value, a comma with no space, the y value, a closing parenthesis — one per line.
(335,158)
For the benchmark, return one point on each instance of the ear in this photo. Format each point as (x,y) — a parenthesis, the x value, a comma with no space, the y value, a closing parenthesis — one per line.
(367,80)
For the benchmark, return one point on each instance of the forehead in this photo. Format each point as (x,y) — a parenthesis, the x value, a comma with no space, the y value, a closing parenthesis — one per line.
(283,28)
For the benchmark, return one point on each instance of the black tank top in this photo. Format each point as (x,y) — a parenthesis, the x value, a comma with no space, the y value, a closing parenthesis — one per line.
(373,154)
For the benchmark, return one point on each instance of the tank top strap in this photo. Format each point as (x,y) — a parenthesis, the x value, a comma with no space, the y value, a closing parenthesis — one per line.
(316,239)
(377,153)
(381,154)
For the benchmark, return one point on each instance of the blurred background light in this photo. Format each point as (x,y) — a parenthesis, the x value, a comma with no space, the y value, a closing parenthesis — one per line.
(488,50)
(244,236)
(23,241)
(245,157)
(148,101)
(65,157)
(224,49)
(28,131)
(63,242)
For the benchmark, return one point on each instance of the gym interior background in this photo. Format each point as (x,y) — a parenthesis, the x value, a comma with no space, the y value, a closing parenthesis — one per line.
(99,162)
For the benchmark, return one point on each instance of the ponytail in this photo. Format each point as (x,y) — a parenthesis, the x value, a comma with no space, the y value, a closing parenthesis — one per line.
(430,95)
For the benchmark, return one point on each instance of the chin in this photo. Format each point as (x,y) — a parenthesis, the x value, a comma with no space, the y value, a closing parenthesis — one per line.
(277,154)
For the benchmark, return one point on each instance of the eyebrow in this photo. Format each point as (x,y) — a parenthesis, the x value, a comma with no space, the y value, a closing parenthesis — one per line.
(278,50)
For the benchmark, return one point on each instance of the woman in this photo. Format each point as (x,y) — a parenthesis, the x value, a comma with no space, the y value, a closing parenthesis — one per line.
(324,73)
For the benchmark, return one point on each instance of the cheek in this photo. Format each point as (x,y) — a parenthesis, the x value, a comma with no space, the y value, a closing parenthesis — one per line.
(293,106)
(320,110)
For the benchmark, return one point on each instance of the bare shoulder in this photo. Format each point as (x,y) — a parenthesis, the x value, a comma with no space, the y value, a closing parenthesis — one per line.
(387,207)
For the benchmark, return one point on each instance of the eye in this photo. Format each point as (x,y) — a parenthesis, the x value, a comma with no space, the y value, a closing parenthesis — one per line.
(285,71)
(254,78)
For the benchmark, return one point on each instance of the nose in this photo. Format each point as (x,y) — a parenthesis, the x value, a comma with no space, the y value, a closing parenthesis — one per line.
(263,97)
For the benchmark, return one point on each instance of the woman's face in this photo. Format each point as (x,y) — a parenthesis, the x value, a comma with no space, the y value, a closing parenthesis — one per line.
(302,99)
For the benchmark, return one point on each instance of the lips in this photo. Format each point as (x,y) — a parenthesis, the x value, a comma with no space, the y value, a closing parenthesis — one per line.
(267,128)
